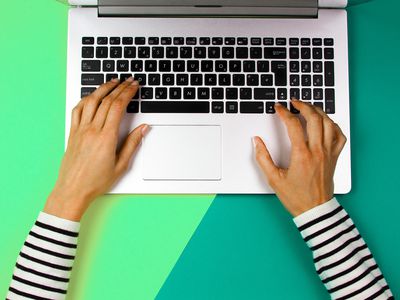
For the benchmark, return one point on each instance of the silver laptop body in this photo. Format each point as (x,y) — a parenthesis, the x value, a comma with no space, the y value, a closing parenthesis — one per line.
(201,129)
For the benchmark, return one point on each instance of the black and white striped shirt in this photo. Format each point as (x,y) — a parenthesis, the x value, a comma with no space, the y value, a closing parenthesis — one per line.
(342,259)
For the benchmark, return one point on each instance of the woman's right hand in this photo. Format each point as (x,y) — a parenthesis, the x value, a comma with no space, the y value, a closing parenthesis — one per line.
(308,182)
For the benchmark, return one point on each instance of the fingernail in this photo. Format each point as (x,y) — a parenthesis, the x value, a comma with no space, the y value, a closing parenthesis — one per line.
(135,82)
(278,104)
(130,79)
(255,141)
(145,129)
(294,99)
(115,80)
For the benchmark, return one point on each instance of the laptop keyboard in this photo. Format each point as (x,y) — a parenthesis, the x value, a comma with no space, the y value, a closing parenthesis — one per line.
(214,74)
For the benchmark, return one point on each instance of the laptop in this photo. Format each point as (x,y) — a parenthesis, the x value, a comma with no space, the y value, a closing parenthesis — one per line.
(211,72)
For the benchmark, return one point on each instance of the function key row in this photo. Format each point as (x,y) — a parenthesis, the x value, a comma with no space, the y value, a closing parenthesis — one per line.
(267,41)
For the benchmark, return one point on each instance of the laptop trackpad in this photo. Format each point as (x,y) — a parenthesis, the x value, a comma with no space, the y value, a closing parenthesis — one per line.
(176,152)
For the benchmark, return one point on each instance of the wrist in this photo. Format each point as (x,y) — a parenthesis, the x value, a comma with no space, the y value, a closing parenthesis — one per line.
(65,206)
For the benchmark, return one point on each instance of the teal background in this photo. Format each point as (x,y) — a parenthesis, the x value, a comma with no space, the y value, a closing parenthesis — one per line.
(190,247)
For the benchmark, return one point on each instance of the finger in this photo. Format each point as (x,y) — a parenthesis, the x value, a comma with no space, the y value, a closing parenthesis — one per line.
(119,105)
(293,126)
(314,124)
(264,160)
(341,141)
(129,147)
(93,100)
(102,112)
(76,115)
(331,132)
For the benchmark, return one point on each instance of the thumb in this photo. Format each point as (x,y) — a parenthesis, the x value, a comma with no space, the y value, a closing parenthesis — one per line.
(264,159)
(129,147)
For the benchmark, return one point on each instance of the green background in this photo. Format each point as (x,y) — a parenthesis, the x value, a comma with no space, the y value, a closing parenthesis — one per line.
(190,247)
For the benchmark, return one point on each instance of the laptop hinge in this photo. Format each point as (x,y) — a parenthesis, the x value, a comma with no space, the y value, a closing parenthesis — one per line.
(230,8)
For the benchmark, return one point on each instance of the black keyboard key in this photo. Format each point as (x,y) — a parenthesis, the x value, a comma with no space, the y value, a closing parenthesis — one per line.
(146,93)
(295,93)
(242,41)
(140,41)
(294,80)
(267,80)
(172,52)
(306,66)
(270,107)
(109,77)
(86,91)
(306,94)
(127,41)
(242,52)
(249,66)
(268,41)
(124,76)
(231,107)
(252,107)
(200,52)
(255,41)
(175,93)
(294,53)
(329,53)
(264,94)
(317,66)
(256,52)
(330,101)
(115,40)
(182,79)
(143,52)
(293,110)
(166,41)
(306,80)
(318,94)
(275,53)
(317,42)
(179,41)
(193,66)
(115,52)
(88,40)
(129,52)
(217,41)
(221,66)
(154,79)
(280,41)
(157,52)
(318,80)
(203,93)
(328,42)
(151,65)
(305,53)
(214,52)
(168,79)
(262,66)
(217,93)
(101,52)
(235,66)
(133,107)
(175,106)
(217,107)
(317,53)
(164,66)
(153,40)
(238,80)
(207,65)
(92,79)
(161,93)
(294,41)
(294,67)
(228,52)
(191,41)
(137,65)
(224,79)
(142,78)
(252,80)
(102,40)
(205,41)
(246,93)
(196,79)
(282,94)
(210,79)
(231,93)
(87,52)
(329,74)
(305,42)
(90,65)
(122,65)
(179,65)
(279,68)
(186,52)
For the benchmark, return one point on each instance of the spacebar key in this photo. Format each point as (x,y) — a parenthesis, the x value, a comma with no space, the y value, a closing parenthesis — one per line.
(175,106)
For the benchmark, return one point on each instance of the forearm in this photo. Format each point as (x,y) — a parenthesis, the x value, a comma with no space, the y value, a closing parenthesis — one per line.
(45,262)
(341,257)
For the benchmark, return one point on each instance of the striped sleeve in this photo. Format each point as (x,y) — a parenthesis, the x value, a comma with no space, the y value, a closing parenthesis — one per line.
(45,262)
(342,259)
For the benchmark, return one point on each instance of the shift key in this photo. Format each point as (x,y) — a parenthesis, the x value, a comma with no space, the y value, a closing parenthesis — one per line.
(92,79)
